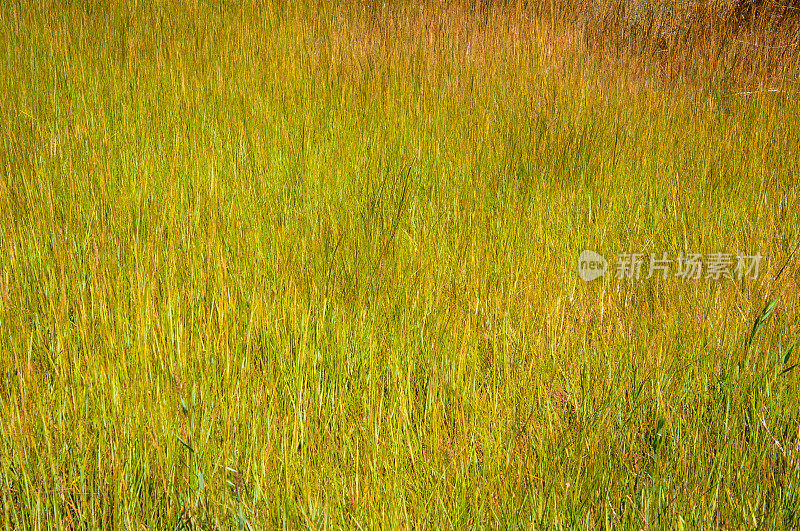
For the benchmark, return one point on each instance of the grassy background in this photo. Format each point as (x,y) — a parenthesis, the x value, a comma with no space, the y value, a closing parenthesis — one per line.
(315,265)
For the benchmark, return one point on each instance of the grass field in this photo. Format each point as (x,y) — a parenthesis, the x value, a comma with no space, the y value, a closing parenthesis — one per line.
(316,265)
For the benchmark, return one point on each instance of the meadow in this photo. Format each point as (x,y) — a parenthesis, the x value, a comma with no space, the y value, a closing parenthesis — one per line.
(311,264)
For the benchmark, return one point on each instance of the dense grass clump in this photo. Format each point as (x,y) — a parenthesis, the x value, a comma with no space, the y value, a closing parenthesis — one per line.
(311,264)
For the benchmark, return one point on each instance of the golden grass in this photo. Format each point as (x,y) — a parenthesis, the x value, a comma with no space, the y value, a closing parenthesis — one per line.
(277,264)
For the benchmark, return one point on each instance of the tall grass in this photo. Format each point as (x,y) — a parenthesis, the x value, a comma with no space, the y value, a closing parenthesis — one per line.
(298,264)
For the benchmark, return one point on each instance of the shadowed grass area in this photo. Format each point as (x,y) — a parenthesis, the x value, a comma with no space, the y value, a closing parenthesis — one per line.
(284,264)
